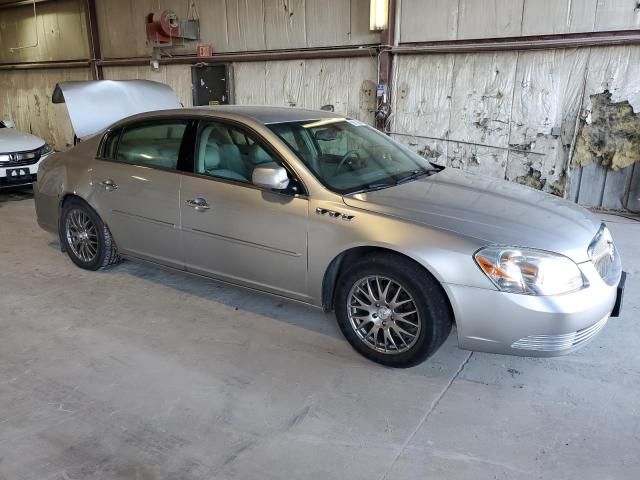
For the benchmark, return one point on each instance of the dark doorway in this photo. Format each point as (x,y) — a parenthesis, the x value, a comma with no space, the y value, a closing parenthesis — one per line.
(211,84)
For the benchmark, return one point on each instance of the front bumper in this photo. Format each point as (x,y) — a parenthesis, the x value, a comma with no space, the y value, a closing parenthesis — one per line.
(20,175)
(23,181)
(497,322)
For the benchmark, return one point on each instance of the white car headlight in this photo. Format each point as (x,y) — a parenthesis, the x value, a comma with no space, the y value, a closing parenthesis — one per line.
(45,150)
(605,257)
(528,271)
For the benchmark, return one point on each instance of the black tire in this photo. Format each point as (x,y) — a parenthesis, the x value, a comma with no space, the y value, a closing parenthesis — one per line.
(106,252)
(433,311)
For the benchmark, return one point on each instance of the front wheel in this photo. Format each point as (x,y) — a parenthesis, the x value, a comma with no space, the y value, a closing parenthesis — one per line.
(85,237)
(391,310)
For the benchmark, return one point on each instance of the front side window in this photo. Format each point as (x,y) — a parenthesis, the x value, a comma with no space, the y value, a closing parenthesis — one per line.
(155,144)
(349,156)
(228,152)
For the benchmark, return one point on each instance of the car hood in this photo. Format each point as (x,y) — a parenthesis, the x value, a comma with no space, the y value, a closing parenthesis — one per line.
(94,105)
(493,211)
(12,140)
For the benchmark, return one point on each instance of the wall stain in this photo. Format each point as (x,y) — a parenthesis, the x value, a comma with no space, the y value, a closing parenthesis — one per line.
(532,179)
(613,136)
(559,187)
(430,152)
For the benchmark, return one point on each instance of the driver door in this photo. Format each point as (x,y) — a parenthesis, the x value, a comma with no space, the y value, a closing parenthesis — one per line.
(234,230)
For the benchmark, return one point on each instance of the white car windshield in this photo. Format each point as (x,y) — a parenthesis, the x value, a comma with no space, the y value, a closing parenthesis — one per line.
(348,156)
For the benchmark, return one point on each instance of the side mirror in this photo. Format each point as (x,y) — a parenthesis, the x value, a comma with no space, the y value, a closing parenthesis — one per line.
(271,176)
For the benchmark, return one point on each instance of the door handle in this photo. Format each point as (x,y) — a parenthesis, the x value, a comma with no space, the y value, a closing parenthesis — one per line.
(198,204)
(109,185)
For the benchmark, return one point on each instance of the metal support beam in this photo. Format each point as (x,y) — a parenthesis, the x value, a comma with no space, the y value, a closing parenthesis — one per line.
(95,52)
(385,67)
(299,54)
(273,55)
(534,42)
(45,65)
(20,3)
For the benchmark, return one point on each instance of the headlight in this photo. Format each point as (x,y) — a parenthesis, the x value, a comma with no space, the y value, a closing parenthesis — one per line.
(46,149)
(605,257)
(528,271)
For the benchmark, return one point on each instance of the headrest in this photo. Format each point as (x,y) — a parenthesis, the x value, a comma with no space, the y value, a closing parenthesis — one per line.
(211,157)
(258,155)
(208,154)
(220,134)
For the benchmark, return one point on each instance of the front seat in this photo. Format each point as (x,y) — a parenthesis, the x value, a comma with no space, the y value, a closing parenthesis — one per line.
(258,156)
(231,157)
(210,162)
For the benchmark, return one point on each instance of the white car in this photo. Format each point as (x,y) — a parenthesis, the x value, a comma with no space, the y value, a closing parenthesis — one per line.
(20,156)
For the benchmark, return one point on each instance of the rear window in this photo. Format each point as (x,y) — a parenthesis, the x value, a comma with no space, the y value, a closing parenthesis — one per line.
(151,144)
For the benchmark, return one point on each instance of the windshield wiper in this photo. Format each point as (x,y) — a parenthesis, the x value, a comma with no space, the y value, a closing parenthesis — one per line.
(372,187)
(415,174)
(419,172)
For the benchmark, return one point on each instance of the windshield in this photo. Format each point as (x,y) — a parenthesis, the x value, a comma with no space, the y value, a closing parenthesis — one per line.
(348,156)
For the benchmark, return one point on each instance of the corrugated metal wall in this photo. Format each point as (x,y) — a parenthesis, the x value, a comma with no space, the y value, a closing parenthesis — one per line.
(348,85)
(26,97)
(62,32)
(516,114)
(241,25)
(426,20)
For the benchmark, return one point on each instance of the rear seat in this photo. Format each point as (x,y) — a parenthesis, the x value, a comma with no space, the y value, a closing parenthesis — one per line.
(163,156)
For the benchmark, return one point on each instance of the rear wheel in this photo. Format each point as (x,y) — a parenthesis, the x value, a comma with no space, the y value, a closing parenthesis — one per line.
(86,238)
(391,310)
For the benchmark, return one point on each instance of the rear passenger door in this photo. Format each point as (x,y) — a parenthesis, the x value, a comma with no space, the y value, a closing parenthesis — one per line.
(136,189)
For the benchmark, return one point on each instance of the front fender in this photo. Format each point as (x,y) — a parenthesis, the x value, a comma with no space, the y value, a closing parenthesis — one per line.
(448,256)
(60,175)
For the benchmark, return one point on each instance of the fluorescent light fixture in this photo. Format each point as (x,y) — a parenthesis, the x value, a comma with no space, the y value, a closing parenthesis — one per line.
(379,15)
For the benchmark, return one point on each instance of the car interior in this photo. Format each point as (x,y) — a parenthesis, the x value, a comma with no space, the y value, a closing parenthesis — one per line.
(221,150)
(226,152)
(156,145)
(346,156)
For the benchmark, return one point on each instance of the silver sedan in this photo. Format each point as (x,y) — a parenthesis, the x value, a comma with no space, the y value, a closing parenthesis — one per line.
(322,209)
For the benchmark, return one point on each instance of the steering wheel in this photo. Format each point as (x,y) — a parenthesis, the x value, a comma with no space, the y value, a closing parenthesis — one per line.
(350,154)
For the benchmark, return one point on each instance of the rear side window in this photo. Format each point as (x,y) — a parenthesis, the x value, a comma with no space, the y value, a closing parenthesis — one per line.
(154,144)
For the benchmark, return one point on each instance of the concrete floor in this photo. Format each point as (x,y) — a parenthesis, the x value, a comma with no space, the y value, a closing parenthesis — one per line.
(137,373)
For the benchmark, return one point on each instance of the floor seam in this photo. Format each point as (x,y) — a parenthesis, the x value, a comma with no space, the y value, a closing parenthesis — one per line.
(425,417)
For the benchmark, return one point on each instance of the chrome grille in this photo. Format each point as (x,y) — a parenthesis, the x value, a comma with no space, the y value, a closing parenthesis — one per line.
(555,343)
(19,163)
(19,159)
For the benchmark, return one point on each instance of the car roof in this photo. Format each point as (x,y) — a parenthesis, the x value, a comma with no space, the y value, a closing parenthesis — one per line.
(268,115)
(260,114)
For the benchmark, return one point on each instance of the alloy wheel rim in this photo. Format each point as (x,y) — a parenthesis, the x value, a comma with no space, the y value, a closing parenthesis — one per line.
(384,315)
(82,235)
